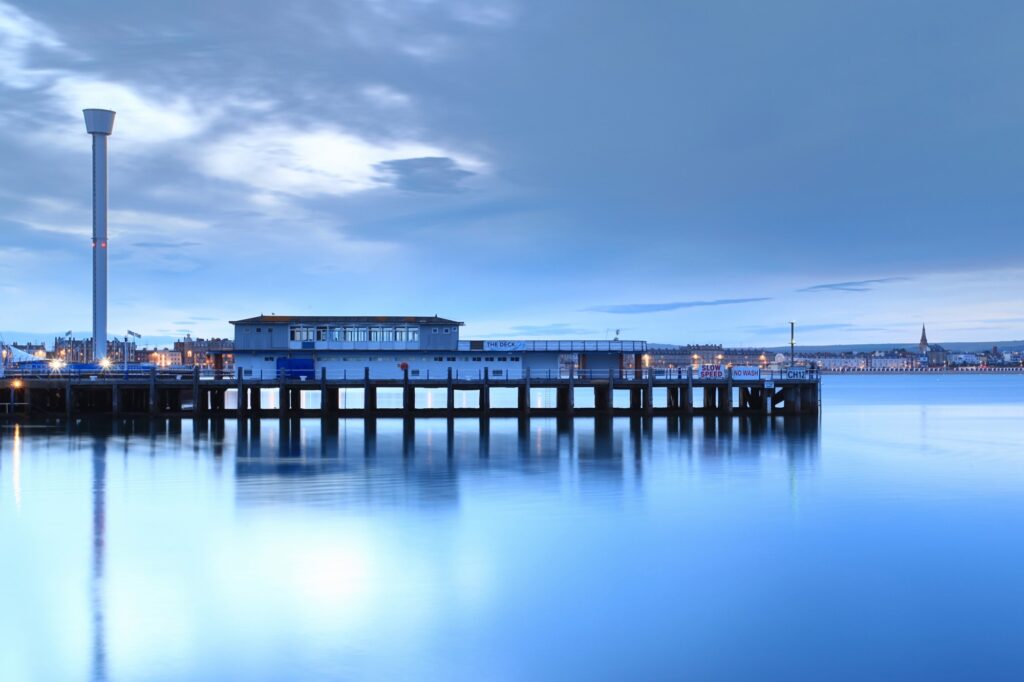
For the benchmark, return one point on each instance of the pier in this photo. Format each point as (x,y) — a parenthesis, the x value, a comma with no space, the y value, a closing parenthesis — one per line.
(643,392)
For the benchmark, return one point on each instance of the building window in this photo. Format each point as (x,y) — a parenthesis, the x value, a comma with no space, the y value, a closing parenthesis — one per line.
(447,330)
(489,359)
(434,329)
(414,333)
(400,334)
(477,358)
(322,334)
(502,359)
(438,358)
(259,329)
(452,359)
(414,372)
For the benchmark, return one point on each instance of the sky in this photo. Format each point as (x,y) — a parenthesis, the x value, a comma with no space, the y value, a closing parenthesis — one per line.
(682,172)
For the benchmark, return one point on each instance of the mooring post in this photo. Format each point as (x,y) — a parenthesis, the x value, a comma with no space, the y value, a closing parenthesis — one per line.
(69,397)
(369,392)
(649,393)
(243,399)
(283,394)
(688,398)
(408,394)
(523,396)
(485,394)
(727,403)
(610,405)
(115,399)
(152,390)
(450,394)
(766,398)
(197,399)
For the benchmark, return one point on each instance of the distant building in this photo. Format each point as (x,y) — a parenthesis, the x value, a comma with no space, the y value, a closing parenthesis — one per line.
(203,352)
(36,349)
(706,354)
(161,357)
(896,359)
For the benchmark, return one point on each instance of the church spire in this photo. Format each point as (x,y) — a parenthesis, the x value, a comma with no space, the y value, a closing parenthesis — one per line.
(924,340)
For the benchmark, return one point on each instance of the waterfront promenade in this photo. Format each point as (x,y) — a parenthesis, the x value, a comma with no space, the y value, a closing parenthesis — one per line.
(646,392)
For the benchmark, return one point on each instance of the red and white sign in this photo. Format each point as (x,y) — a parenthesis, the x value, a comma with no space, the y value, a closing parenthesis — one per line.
(746,373)
(711,372)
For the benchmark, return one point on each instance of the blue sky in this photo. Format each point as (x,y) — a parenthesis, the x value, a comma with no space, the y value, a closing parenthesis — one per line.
(682,171)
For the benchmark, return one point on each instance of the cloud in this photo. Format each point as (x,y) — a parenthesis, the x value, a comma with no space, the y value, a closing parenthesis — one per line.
(314,161)
(427,174)
(555,329)
(165,245)
(637,308)
(19,35)
(386,97)
(857,285)
(154,222)
(486,14)
(145,117)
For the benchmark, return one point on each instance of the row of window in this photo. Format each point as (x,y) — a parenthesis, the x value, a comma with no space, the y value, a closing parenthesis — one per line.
(476,358)
(326,333)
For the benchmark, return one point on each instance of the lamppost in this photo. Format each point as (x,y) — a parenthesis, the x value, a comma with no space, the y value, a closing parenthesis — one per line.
(792,343)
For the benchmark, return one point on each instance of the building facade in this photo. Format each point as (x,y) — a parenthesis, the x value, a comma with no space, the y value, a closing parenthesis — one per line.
(269,345)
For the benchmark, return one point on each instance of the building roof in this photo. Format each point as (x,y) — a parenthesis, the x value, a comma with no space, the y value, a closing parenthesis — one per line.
(344,319)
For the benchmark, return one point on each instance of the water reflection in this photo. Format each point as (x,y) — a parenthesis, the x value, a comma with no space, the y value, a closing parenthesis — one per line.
(407,462)
(99,524)
(429,465)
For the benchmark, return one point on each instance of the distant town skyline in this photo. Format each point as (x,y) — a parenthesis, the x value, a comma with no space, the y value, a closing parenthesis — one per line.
(680,172)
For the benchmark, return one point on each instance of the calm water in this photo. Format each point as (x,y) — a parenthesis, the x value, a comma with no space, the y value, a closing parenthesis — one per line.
(885,541)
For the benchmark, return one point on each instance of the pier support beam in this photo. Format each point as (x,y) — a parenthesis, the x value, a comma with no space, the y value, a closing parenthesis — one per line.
(450,397)
(242,399)
(688,392)
(485,395)
(710,398)
(408,394)
(369,392)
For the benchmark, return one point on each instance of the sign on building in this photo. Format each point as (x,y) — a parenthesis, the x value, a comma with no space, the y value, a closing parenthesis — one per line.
(796,373)
(711,372)
(506,346)
(741,373)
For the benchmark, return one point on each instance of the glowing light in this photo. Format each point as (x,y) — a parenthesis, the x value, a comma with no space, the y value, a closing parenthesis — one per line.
(105,363)
(17,383)
(56,365)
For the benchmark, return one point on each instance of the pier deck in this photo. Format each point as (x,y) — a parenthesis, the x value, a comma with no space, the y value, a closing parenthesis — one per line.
(650,393)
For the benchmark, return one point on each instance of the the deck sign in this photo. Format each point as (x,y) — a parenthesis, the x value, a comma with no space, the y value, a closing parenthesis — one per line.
(711,372)
(505,345)
(740,373)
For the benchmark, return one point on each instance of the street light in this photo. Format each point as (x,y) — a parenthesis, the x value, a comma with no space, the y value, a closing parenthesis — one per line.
(792,343)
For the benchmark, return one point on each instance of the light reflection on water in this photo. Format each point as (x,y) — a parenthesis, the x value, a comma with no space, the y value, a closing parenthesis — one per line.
(879,542)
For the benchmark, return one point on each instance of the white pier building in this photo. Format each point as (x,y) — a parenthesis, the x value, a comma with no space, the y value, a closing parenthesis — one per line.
(269,345)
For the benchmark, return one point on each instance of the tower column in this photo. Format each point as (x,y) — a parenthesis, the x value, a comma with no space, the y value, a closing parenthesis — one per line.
(100,124)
